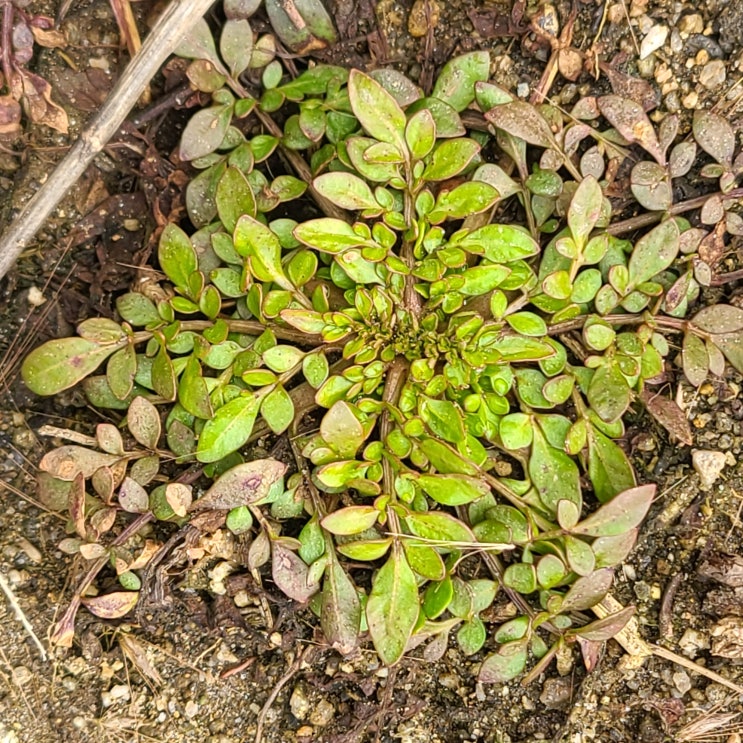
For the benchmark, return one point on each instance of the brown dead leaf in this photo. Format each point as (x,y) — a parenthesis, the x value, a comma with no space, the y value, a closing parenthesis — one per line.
(10,116)
(669,415)
(112,605)
(51,38)
(37,97)
(137,655)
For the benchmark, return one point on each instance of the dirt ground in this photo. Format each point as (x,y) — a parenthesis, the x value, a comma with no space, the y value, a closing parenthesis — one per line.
(201,667)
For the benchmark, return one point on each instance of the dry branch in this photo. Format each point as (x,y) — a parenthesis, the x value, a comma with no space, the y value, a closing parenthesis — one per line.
(167,34)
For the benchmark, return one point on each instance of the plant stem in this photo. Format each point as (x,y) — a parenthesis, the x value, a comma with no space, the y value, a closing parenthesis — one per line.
(671,323)
(249,327)
(643,220)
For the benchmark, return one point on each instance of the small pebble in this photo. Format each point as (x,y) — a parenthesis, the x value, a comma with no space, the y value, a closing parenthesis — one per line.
(681,681)
(712,74)
(654,40)
(192,709)
(690,24)
(692,641)
(708,465)
(690,100)
(322,714)
(299,703)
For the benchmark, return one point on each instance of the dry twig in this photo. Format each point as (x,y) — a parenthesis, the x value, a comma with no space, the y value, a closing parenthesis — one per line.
(169,31)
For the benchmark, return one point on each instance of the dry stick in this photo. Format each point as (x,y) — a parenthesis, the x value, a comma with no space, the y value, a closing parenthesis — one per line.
(13,601)
(167,34)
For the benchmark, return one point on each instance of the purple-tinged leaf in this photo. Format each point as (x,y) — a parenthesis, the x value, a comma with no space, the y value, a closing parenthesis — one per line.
(588,591)
(631,121)
(623,512)
(242,485)
(112,605)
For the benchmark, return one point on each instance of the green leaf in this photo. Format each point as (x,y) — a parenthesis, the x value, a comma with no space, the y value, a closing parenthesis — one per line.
(500,243)
(315,368)
(527,323)
(452,490)
(176,255)
(521,348)
(438,526)
(443,418)
(346,190)
(445,459)
(695,359)
(193,392)
(341,429)
(328,235)
(521,577)
(205,131)
(609,393)
(351,520)
(471,197)
(340,609)
(377,111)
(550,571)
(610,551)
(262,248)
(579,555)
(516,431)
(228,430)
(505,665)
(282,358)
(654,252)
(471,636)
(456,82)
(392,609)
(234,198)
(60,364)
(236,45)
(120,371)
(303,26)
(425,561)
(608,466)
(137,309)
(585,209)
(623,512)
(437,598)
(277,409)
(450,158)
(420,134)
(553,473)
(163,375)
(365,549)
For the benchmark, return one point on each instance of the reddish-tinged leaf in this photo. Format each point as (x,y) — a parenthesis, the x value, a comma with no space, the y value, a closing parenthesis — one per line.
(669,415)
(77,504)
(719,318)
(392,609)
(588,591)
(623,512)
(340,614)
(242,485)
(66,462)
(290,573)
(604,629)
(133,497)
(143,422)
(522,120)
(715,136)
(112,605)
(631,121)
(504,665)
(695,359)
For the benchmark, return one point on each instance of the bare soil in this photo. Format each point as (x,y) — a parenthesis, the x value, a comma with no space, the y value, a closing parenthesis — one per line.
(211,664)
